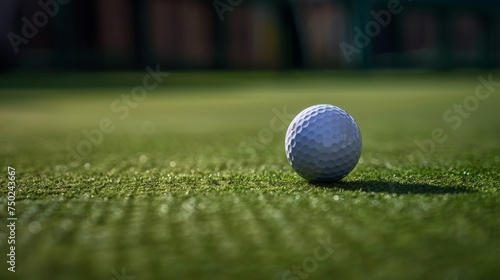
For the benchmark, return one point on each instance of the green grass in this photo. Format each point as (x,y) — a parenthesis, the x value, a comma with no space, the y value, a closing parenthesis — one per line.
(230,209)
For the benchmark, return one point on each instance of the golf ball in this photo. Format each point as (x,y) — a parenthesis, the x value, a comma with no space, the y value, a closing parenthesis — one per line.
(323,143)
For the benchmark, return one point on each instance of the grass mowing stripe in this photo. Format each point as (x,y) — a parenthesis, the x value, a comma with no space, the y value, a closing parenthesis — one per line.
(256,234)
(289,236)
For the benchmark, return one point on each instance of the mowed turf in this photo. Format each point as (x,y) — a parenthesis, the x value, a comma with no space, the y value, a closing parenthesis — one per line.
(193,183)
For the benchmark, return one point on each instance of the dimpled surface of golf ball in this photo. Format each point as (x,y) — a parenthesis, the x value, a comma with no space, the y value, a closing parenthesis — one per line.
(323,143)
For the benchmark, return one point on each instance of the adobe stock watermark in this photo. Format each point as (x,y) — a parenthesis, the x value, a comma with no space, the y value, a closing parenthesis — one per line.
(223,6)
(454,117)
(121,107)
(30,28)
(362,38)
(310,264)
(122,276)
(266,135)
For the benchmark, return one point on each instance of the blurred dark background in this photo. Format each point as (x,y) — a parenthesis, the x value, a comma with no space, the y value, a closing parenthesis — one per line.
(245,34)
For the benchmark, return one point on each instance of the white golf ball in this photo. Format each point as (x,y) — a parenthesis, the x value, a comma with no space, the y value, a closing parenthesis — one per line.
(323,143)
